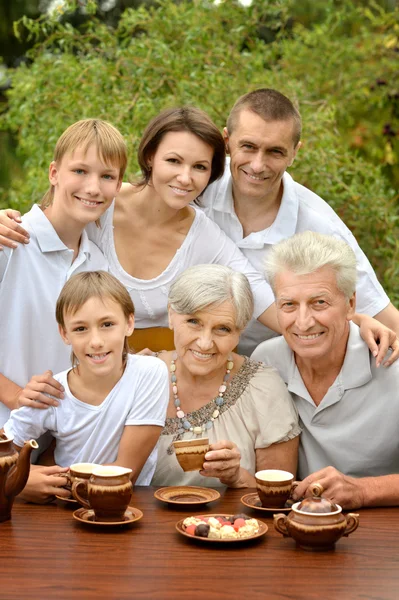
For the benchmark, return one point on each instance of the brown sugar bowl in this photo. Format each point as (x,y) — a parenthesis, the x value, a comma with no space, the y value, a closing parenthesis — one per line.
(316,523)
(191,453)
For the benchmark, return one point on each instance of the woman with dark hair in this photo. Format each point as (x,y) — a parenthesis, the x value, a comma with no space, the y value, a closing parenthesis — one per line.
(154,231)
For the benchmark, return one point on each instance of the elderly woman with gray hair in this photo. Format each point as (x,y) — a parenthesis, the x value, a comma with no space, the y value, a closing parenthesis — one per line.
(241,405)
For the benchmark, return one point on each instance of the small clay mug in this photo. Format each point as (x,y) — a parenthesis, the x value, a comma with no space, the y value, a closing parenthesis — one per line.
(80,472)
(191,453)
(274,487)
(109,491)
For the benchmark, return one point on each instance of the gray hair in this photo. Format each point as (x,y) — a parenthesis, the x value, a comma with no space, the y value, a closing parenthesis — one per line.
(201,286)
(306,252)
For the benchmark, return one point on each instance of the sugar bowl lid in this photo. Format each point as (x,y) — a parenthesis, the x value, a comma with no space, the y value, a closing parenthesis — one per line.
(317,503)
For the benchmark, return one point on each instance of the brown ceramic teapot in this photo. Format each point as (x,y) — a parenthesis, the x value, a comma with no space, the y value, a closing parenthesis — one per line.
(14,473)
(316,523)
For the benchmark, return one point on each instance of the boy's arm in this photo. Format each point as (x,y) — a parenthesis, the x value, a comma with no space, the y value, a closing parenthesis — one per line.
(44,483)
(389,316)
(33,394)
(135,447)
(9,392)
(146,418)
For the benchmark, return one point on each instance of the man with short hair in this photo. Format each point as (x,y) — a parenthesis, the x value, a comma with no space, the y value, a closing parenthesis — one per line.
(348,408)
(258,204)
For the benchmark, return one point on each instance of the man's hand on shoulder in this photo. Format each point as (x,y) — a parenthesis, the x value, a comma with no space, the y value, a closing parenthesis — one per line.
(40,392)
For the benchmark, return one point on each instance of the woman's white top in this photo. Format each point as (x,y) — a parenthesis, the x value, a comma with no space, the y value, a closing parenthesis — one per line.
(205,243)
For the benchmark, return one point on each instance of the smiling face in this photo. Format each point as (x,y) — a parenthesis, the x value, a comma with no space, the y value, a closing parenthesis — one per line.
(260,153)
(181,168)
(313,314)
(205,340)
(97,333)
(84,186)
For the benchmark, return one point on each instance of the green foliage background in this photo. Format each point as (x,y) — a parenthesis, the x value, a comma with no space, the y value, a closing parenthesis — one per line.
(341,69)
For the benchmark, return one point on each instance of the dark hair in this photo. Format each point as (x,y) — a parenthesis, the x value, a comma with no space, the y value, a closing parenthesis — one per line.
(185,118)
(270,105)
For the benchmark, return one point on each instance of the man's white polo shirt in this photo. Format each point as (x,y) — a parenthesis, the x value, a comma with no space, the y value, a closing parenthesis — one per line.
(31,279)
(355,426)
(300,210)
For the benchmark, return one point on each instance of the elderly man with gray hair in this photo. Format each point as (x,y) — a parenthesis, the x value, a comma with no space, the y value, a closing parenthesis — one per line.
(349,409)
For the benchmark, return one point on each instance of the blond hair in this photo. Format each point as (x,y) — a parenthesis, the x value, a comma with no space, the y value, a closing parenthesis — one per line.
(306,252)
(92,284)
(109,142)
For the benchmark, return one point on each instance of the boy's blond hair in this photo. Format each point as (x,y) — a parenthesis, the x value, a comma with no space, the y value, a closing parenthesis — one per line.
(92,284)
(109,142)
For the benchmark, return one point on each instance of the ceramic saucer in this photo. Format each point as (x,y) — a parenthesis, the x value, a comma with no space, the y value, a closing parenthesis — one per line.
(71,500)
(184,494)
(252,501)
(86,516)
(262,530)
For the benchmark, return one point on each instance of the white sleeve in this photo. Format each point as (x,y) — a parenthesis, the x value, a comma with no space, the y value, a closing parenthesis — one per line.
(28,423)
(371,297)
(5,256)
(316,215)
(151,395)
(212,245)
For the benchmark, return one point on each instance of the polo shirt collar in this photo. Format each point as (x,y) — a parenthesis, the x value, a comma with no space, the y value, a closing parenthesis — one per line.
(355,372)
(47,237)
(286,220)
(223,201)
(285,223)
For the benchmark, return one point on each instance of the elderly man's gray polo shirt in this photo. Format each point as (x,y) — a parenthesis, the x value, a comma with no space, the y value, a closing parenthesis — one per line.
(355,427)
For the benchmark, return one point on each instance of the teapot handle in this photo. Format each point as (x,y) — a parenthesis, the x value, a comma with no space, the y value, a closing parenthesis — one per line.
(280,524)
(352,523)
(76,494)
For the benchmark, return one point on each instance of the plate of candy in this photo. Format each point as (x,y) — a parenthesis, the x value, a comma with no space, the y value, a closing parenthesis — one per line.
(220,528)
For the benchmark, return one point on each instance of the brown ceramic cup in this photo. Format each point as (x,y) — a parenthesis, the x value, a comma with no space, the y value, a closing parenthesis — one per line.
(191,453)
(109,491)
(80,472)
(274,487)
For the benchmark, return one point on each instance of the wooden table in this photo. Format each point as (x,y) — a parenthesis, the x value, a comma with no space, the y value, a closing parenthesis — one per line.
(45,553)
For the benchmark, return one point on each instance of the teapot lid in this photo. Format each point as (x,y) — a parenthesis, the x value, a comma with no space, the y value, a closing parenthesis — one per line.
(317,503)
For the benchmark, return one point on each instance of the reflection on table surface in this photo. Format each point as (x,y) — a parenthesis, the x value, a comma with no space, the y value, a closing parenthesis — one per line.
(45,553)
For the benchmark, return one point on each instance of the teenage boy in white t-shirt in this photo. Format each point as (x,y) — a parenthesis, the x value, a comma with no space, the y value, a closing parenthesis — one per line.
(115,403)
(89,163)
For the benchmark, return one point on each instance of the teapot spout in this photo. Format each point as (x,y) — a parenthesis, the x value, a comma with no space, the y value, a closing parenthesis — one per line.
(19,473)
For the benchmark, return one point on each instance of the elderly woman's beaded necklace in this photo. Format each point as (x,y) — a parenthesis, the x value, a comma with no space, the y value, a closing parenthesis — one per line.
(219,400)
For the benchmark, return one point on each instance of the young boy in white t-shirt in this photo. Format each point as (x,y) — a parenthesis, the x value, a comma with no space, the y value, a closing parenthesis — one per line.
(115,403)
